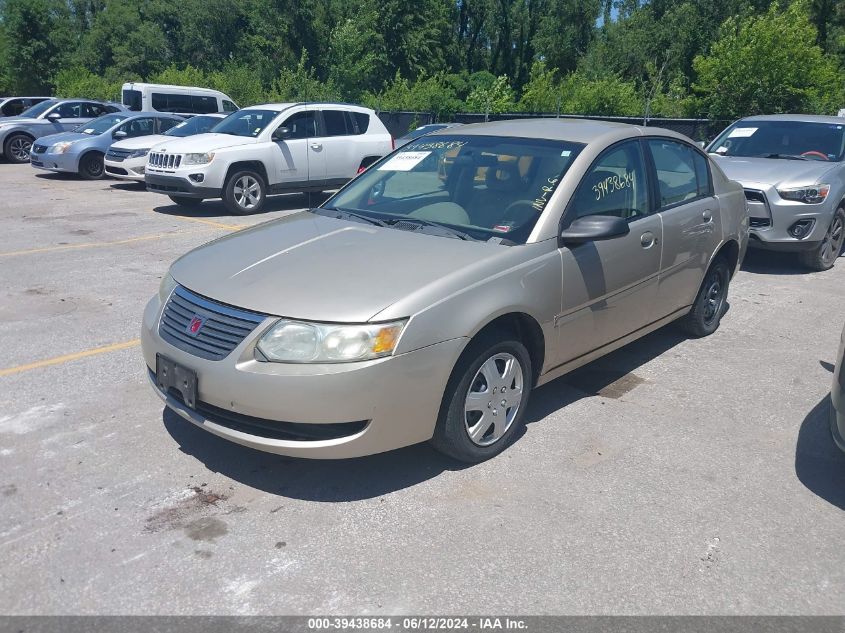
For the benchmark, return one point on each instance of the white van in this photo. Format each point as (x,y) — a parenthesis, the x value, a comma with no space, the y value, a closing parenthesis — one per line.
(140,97)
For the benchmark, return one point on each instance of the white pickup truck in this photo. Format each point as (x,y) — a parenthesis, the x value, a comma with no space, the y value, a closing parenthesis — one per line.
(267,149)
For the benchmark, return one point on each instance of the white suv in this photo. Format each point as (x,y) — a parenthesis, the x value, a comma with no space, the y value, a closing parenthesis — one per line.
(272,148)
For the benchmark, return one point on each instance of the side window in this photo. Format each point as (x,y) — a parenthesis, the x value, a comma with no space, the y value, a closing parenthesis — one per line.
(362,120)
(93,110)
(204,105)
(172,102)
(70,110)
(14,107)
(301,125)
(615,185)
(139,127)
(676,174)
(702,175)
(335,122)
(166,124)
(228,106)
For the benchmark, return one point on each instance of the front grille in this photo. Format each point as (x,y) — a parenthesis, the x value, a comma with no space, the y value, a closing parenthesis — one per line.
(222,330)
(165,161)
(117,155)
(755,196)
(39,149)
(758,223)
(759,214)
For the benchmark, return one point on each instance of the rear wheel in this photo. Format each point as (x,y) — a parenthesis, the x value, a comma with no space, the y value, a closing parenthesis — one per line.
(824,257)
(710,303)
(185,201)
(16,148)
(484,404)
(245,192)
(91,166)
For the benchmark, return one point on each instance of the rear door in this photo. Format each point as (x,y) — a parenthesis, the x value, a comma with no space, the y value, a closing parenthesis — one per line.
(339,146)
(609,287)
(689,211)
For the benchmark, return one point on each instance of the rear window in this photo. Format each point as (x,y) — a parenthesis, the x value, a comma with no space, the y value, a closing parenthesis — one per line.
(132,100)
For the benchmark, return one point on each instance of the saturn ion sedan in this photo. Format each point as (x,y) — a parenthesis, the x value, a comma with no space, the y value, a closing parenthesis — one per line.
(429,296)
(837,397)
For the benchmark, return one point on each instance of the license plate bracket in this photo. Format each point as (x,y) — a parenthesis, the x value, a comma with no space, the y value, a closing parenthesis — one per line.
(170,374)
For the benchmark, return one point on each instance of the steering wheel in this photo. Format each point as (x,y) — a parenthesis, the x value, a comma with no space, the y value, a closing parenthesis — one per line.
(813,152)
(518,212)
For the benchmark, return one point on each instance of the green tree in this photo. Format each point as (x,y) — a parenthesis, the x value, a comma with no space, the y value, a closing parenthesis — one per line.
(355,54)
(301,84)
(542,92)
(498,98)
(80,82)
(767,64)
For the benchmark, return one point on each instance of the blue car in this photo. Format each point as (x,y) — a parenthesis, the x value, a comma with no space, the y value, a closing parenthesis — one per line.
(81,151)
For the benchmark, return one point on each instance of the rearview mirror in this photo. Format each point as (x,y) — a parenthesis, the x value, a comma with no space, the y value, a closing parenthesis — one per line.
(281,133)
(593,228)
(119,134)
(54,116)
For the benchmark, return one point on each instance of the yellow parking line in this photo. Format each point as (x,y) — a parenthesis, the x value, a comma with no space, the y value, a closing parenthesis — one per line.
(219,225)
(65,247)
(59,360)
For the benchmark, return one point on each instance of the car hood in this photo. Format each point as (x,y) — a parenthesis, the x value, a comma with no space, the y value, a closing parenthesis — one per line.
(21,120)
(65,136)
(142,142)
(207,142)
(777,172)
(309,266)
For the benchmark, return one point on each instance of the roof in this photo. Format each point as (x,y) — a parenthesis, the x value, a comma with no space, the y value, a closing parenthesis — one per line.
(804,118)
(573,130)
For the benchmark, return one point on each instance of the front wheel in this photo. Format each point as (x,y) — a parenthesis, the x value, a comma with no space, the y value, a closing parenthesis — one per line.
(91,166)
(245,192)
(824,257)
(710,303)
(484,405)
(16,149)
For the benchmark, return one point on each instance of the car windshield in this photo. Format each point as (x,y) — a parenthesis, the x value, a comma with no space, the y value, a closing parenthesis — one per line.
(797,140)
(195,125)
(483,186)
(101,124)
(245,122)
(39,108)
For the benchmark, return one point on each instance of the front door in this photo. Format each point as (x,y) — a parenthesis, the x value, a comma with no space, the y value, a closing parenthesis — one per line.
(297,163)
(609,286)
(72,114)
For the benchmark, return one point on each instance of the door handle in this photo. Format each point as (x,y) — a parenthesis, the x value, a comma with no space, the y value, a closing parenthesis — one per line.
(647,239)
(707,215)
(316,146)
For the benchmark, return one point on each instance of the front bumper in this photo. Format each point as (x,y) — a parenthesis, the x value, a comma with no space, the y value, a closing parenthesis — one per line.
(55,162)
(178,186)
(771,217)
(127,169)
(398,397)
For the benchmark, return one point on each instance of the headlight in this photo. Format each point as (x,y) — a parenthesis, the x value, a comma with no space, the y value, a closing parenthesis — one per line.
(198,159)
(61,148)
(302,342)
(811,194)
(168,284)
(139,153)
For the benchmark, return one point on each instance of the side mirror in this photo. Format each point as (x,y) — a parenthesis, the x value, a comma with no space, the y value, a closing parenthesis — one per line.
(281,133)
(702,144)
(54,116)
(593,228)
(119,134)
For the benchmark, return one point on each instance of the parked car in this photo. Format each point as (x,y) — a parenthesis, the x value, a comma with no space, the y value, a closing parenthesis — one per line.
(14,106)
(422,131)
(273,148)
(792,167)
(45,118)
(82,152)
(185,100)
(410,308)
(127,159)
(837,397)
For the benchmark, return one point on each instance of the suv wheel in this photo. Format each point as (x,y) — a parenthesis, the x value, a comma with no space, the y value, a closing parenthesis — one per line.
(91,166)
(710,303)
(245,192)
(16,148)
(824,257)
(485,401)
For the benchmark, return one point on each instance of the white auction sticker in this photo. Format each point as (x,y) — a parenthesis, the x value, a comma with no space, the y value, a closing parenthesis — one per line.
(742,132)
(404,161)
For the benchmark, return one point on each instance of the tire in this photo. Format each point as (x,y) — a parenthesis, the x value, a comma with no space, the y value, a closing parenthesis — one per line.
(185,201)
(508,365)
(828,251)
(706,313)
(91,166)
(16,148)
(245,192)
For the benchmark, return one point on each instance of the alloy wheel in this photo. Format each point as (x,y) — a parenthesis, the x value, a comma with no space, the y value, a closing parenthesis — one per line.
(247,192)
(20,147)
(832,245)
(494,397)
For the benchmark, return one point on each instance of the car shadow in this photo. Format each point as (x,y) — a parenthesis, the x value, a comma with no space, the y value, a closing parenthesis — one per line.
(57,175)
(819,464)
(761,262)
(128,185)
(216,208)
(368,477)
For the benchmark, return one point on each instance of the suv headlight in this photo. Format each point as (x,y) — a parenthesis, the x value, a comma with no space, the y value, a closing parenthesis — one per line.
(139,153)
(290,341)
(198,159)
(61,148)
(811,194)
(167,285)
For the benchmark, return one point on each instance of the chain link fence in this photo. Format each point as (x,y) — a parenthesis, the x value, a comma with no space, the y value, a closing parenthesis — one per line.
(399,123)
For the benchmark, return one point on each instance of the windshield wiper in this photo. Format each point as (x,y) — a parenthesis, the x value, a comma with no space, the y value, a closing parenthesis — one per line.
(346,212)
(786,156)
(429,223)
